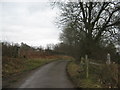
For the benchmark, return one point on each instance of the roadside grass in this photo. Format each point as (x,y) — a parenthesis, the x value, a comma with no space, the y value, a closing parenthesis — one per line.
(110,75)
(100,76)
(34,63)
(14,69)
(13,66)
(16,66)
(78,76)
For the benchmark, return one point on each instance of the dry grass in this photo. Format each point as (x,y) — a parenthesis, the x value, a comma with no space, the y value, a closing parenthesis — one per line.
(103,76)
(12,66)
(109,75)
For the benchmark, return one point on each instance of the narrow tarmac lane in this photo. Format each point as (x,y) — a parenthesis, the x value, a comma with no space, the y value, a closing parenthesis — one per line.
(52,75)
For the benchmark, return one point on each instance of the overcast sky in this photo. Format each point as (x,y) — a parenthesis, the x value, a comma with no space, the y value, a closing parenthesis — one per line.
(30,22)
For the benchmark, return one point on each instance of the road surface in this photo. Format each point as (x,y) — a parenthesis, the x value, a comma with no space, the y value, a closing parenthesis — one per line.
(52,75)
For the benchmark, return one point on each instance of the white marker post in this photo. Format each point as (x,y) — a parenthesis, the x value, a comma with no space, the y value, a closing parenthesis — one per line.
(108,59)
(87,69)
(81,62)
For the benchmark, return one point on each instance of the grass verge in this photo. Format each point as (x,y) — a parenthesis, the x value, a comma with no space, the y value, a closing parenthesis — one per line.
(15,71)
(100,76)
(78,76)
(15,68)
(12,66)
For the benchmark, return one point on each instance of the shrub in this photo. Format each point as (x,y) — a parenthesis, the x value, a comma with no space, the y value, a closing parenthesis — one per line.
(109,75)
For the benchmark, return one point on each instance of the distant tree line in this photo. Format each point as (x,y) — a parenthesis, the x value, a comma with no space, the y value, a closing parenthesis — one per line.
(14,50)
(99,53)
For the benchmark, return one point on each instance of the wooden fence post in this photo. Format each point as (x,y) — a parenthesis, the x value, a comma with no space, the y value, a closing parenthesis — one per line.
(87,68)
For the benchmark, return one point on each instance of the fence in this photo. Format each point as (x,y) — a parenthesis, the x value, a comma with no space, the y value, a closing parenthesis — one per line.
(108,72)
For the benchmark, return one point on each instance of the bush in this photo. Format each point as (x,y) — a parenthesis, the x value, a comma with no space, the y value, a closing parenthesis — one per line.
(100,76)
(109,75)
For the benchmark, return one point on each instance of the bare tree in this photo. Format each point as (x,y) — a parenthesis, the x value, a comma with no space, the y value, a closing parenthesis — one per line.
(89,23)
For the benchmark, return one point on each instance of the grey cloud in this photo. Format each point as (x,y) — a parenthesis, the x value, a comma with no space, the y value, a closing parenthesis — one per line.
(31,23)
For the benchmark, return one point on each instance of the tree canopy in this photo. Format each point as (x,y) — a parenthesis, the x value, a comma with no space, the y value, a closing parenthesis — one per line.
(88,26)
